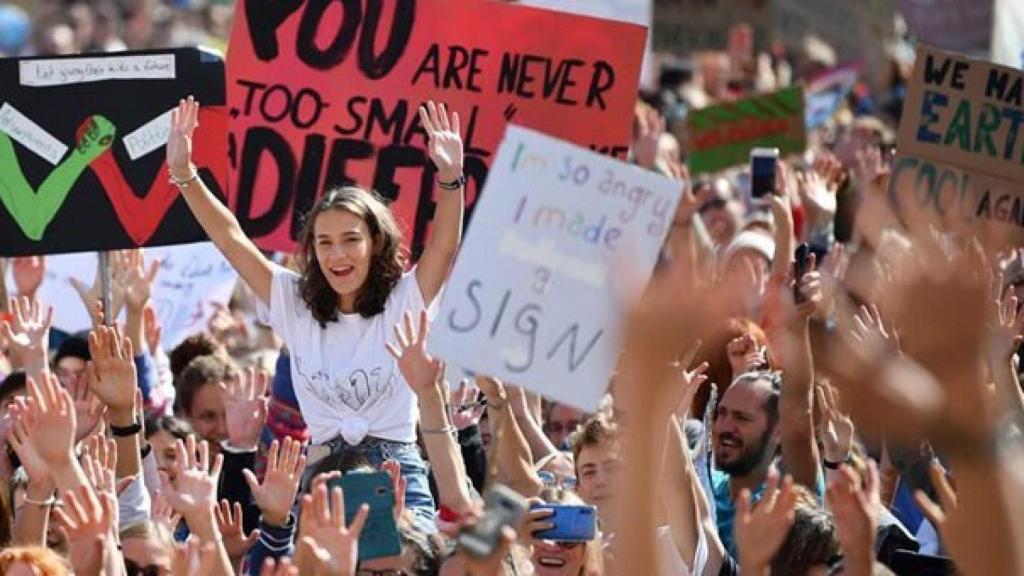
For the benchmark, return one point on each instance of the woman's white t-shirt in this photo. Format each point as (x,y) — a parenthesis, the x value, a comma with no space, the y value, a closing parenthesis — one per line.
(344,378)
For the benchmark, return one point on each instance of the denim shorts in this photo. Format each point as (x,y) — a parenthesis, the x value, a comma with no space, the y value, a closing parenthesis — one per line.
(418,499)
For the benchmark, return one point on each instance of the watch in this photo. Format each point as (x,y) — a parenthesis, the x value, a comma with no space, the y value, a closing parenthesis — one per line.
(125,431)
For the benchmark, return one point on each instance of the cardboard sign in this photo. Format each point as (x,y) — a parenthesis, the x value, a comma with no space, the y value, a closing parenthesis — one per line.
(193,280)
(723,135)
(635,11)
(826,94)
(684,26)
(82,163)
(531,299)
(960,143)
(960,25)
(325,94)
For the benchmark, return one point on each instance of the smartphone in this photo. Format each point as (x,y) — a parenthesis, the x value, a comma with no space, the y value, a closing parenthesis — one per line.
(573,523)
(763,164)
(502,507)
(799,269)
(380,533)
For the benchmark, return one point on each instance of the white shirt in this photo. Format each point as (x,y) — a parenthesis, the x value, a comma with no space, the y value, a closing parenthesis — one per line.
(344,378)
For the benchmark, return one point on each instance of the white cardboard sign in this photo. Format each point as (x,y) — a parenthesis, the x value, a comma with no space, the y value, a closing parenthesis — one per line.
(192,279)
(558,234)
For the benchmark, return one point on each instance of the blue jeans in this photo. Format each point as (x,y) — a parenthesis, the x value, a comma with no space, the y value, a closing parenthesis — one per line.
(418,498)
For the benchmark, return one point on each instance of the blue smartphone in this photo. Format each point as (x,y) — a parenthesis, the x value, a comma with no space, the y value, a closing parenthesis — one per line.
(573,523)
(380,534)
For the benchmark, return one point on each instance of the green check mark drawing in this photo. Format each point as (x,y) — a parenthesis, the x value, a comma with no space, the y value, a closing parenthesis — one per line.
(34,210)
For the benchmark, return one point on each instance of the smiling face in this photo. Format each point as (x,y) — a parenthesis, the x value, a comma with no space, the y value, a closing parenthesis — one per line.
(558,558)
(164,452)
(344,248)
(743,432)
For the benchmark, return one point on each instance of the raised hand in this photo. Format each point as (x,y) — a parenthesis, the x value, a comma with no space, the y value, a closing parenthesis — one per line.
(89,520)
(650,127)
(398,484)
(229,521)
(869,329)
(761,530)
(28,273)
(49,422)
(194,490)
(92,295)
(444,140)
(333,547)
(958,532)
(1005,327)
(112,371)
(184,121)
(88,408)
(855,509)
(245,406)
(744,354)
(164,513)
(419,368)
(99,461)
(152,329)
(276,494)
(835,429)
(40,483)
(138,280)
(27,332)
(466,408)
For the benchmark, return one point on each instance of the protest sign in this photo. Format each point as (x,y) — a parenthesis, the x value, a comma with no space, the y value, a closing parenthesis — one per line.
(634,11)
(960,148)
(1008,34)
(82,139)
(826,93)
(193,280)
(324,94)
(723,135)
(960,25)
(532,297)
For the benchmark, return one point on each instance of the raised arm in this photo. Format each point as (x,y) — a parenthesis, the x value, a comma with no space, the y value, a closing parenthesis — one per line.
(219,223)
(444,146)
(424,375)
(790,343)
(511,451)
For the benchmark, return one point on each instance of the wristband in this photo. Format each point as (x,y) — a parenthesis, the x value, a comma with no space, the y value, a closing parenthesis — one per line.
(193,176)
(41,503)
(126,431)
(458,184)
(448,429)
(836,465)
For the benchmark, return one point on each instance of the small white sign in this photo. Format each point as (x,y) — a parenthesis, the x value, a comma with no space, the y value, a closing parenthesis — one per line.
(149,137)
(62,71)
(30,135)
(559,235)
(193,280)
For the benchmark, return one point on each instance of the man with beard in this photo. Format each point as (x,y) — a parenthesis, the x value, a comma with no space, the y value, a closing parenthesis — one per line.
(748,433)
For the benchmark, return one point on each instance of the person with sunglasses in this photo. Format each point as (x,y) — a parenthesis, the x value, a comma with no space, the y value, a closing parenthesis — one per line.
(559,558)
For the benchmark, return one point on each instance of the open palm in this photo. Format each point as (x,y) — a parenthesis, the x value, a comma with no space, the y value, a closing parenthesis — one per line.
(444,142)
(419,368)
(184,121)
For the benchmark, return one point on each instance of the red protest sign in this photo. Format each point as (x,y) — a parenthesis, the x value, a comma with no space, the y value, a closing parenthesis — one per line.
(325,93)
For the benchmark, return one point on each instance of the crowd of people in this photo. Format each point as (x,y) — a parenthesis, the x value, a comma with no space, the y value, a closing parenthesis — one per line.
(855,412)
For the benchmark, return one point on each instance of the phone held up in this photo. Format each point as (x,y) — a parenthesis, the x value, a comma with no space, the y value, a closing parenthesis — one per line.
(502,507)
(764,163)
(572,523)
(379,538)
(800,256)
